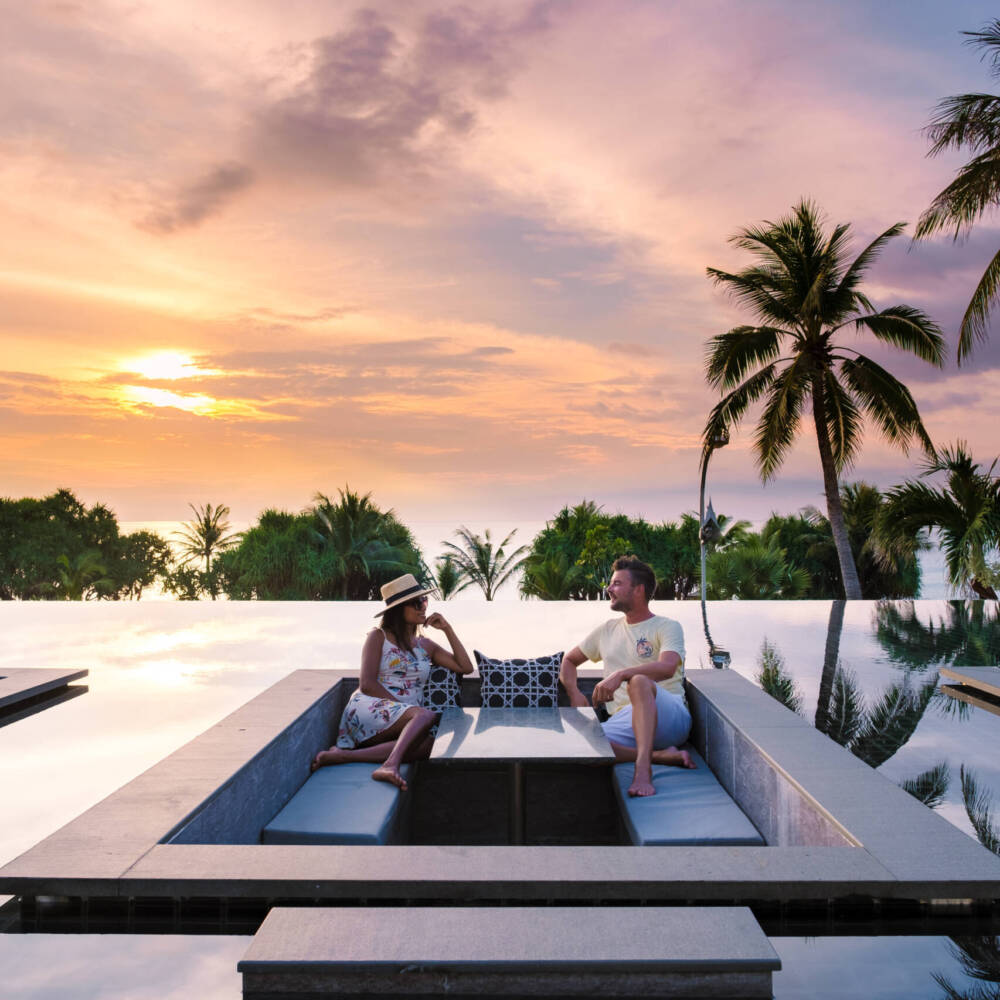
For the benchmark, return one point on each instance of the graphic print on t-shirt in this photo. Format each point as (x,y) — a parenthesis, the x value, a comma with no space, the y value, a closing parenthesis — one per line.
(643,648)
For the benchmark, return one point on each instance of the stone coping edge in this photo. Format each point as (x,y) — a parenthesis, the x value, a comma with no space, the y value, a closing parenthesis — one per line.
(23,683)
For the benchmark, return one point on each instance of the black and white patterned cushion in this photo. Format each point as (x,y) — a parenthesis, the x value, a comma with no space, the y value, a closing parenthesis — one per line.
(528,683)
(443,689)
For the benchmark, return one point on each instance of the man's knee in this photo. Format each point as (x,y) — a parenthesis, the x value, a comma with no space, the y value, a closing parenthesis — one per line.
(639,685)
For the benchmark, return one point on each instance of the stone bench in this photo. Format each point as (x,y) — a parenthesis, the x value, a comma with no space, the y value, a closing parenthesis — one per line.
(689,807)
(341,804)
(572,951)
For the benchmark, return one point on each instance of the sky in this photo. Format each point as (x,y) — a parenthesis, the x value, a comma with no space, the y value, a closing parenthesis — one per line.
(453,255)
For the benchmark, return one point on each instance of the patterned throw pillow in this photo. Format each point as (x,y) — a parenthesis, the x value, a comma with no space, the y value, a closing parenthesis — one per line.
(443,689)
(530,683)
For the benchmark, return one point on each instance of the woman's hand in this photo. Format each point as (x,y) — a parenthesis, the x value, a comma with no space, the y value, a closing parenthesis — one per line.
(437,620)
(458,659)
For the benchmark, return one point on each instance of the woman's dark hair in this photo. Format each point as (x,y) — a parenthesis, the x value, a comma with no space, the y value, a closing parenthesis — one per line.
(639,572)
(394,622)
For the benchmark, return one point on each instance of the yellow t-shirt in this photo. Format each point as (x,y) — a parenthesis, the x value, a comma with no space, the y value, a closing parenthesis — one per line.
(621,645)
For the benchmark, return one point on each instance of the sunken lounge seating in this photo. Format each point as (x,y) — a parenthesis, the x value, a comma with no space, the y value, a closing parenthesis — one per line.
(342,805)
(690,807)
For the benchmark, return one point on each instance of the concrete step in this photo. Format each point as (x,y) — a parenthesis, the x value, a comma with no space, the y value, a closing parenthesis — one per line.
(509,951)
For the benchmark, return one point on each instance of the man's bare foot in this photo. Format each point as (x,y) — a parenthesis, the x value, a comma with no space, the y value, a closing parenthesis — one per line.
(673,757)
(390,774)
(642,785)
(332,756)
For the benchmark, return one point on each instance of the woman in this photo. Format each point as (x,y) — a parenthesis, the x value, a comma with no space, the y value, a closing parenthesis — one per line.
(383,721)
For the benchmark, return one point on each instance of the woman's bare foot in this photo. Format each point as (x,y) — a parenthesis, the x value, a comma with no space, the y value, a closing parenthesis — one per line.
(389,773)
(332,756)
(673,758)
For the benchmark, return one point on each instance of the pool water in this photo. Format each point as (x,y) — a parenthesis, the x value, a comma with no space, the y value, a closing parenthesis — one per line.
(162,673)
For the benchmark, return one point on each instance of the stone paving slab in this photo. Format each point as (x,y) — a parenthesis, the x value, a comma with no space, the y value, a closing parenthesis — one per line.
(528,872)
(982,678)
(971,696)
(23,683)
(572,951)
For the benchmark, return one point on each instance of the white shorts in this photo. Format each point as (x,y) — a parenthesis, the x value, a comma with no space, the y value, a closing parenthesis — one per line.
(673,722)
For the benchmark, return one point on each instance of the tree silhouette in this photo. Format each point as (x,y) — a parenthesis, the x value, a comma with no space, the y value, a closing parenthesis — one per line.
(482,564)
(805,291)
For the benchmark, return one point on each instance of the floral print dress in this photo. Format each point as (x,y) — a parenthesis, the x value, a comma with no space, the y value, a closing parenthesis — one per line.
(403,675)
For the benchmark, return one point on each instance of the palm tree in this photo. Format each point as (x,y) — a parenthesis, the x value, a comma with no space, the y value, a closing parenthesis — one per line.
(205,536)
(483,565)
(930,786)
(970,122)
(82,577)
(806,292)
(967,634)
(553,578)
(774,678)
(354,536)
(966,514)
(876,733)
(979,808)
(755,570)
(448,577)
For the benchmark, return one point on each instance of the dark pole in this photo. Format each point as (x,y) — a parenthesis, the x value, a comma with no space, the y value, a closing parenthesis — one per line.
(707,530)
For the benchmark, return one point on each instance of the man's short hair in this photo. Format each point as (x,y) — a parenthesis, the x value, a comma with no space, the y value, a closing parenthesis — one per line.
(640,573)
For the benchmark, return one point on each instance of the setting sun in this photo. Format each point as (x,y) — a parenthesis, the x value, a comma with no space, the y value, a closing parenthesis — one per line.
(165,365)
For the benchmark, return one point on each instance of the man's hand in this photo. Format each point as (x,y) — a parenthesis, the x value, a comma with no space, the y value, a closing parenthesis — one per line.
(605,689)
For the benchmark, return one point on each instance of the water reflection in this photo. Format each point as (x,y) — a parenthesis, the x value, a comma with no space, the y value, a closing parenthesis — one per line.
(966,634)
(876,725)
(979,959)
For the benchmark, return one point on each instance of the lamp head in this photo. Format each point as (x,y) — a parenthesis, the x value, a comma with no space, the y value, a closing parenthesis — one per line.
(710,528)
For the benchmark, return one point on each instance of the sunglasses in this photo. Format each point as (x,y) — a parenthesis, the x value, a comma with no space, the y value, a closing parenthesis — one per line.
(418,602)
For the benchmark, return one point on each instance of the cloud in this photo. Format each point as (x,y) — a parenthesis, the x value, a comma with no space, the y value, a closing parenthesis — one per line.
(196,202)
(376,107)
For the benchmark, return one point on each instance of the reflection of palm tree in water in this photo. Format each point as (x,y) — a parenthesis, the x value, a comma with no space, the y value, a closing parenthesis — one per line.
(971,635)
(968,634)
(873,734)
(979,958)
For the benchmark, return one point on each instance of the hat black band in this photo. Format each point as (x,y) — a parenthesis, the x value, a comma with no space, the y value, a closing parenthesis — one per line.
(404,593)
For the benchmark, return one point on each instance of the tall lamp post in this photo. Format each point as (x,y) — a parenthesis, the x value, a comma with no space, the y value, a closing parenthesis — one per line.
(708,530)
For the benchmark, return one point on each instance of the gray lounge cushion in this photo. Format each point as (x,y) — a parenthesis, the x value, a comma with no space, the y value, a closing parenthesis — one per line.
(689,807)
(519,683)
(338,805)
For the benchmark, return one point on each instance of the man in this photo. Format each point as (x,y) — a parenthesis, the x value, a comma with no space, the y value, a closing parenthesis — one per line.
(643,685)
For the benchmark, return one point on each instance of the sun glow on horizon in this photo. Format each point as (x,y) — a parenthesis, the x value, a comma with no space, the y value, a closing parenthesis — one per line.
(139,398)
(169,365)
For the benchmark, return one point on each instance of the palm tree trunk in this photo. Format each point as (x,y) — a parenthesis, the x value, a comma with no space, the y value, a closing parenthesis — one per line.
(831,656)
(848,571)
(983,590)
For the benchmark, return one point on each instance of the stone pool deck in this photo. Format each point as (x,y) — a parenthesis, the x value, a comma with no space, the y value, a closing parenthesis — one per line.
(716,951)
(979,686)
(26,690)
(189,826)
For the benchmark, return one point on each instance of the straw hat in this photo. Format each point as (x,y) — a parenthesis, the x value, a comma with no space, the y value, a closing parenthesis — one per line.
(404,588)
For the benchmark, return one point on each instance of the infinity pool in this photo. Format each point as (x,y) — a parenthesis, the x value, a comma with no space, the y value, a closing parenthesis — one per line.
(865,673)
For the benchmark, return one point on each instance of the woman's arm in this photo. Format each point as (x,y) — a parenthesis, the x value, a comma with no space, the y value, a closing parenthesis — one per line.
(371,657)
(458,659)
